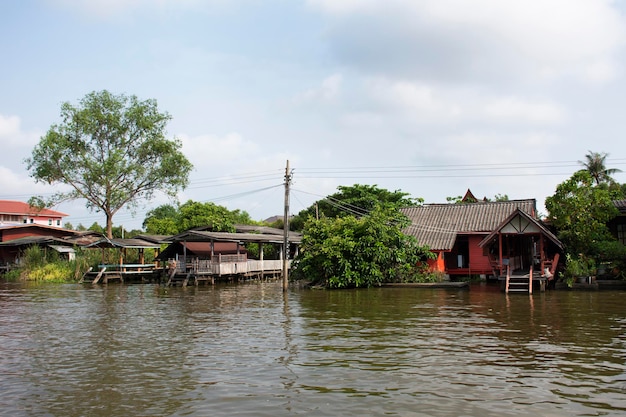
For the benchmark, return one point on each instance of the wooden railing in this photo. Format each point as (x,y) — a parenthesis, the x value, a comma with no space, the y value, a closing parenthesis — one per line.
(227,265)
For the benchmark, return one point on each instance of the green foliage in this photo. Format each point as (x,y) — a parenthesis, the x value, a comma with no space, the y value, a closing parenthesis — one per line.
(112,151)
(579,266)
(356,200)
(580,210)
(170,220)
(347,251)
(595,165)
(42,265)
(612,254)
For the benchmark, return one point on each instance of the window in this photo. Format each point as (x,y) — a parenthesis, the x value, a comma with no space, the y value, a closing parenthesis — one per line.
(621,233)
(49,222)
(58,222)
(32,221)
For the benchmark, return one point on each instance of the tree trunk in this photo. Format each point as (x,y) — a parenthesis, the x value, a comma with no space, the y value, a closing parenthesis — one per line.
(109,225)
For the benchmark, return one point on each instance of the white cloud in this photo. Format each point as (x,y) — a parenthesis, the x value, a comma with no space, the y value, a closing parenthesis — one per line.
(549,38)
(492,147)
(9,129)
(105,9)
(218,150)
(516,109)
(328,90)
(418,103)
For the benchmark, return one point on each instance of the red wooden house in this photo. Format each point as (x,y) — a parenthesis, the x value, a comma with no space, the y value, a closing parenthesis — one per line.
(482,238)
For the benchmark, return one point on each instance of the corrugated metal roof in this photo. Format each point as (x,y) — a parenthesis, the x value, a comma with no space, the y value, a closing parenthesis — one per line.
(197,235)
(437,225)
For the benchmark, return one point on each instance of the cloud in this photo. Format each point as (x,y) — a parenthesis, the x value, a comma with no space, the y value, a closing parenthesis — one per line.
(392,103)
(515,110)
(106,9)
(493,39)
(9,129)
(328,90)
(221,150)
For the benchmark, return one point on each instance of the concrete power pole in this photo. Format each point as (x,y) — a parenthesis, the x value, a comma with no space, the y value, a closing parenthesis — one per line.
(286,230)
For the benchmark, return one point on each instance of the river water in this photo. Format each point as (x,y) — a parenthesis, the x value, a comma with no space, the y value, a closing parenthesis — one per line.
(250,350)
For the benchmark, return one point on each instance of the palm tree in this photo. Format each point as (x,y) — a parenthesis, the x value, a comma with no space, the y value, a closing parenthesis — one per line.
(595,165)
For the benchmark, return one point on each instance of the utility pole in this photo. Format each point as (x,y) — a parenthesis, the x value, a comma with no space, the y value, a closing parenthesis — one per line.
(286,230)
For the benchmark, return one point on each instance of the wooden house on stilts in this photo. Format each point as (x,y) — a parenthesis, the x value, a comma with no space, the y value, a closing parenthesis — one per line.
(503,240)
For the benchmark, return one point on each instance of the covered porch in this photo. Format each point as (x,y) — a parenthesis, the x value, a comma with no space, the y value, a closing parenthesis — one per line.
(523,249)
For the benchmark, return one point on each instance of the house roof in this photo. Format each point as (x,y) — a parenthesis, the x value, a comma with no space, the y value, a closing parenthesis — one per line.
(38,226)
(22,208)
(437,225)
(36,240)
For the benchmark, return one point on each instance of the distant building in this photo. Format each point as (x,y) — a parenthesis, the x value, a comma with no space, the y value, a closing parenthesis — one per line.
(13,213)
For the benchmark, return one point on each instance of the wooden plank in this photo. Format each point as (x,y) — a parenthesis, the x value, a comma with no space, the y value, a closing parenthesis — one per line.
(97,278)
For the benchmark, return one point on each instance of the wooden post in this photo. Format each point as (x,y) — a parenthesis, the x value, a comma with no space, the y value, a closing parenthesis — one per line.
(286,230)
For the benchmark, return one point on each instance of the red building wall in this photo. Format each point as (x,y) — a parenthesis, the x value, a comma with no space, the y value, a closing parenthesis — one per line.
(478,261)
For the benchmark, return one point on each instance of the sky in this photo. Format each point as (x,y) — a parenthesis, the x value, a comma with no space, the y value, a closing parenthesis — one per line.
(428,97)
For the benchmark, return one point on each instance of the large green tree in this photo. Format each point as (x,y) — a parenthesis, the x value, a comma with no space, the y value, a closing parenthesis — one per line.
(169,220)
(365,251)
(356,200)
(112,151)
(580,210)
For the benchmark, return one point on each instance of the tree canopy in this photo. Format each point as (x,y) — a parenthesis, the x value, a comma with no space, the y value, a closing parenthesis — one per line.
(112,151)
(580,210)
(347,251)
(170,220)
(356,200)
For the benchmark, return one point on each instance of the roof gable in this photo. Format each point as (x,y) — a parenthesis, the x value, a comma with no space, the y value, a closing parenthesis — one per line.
(520,222)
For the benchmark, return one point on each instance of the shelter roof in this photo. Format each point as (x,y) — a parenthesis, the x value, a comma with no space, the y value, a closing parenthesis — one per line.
(160,239)
(123,243)
(202,249)
(204,236)
(437,225)
(265,230)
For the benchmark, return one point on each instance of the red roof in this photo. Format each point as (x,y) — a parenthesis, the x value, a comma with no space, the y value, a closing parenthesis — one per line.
(21,208)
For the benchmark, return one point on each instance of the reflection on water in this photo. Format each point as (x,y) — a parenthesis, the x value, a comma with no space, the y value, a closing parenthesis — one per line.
(250,350)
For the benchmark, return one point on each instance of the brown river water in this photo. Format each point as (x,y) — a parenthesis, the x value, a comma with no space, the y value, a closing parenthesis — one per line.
(252,350)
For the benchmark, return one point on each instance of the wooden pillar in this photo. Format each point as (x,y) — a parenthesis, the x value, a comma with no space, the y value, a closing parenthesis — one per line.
(500,251)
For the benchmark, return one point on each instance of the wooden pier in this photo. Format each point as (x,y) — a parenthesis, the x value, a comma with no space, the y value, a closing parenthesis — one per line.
(122,272)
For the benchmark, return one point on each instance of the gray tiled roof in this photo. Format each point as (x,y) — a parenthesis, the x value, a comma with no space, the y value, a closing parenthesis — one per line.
(437,225)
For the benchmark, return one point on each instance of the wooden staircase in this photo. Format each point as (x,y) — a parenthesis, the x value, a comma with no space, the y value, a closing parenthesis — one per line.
(519,283)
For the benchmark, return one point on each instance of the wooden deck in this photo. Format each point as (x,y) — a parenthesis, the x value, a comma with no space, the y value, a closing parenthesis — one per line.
(122,273)
(226,267)
(196,271)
